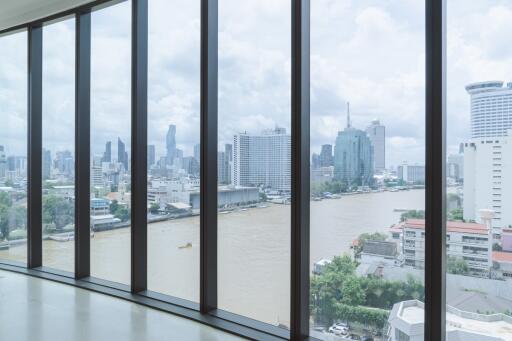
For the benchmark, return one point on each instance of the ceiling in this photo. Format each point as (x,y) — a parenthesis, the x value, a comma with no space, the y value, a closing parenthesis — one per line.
(15,12)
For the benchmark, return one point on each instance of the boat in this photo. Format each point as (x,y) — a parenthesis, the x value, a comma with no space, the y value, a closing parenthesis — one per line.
(186,246)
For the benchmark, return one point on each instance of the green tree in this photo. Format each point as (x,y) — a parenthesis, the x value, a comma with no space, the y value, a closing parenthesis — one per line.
(456,266)
(456,214)
(58,211)
(154,207)
(412,214)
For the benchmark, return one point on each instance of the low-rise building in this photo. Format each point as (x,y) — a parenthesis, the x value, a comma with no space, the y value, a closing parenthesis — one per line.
(502,265)
(406,323)
(471,242)
(378,251)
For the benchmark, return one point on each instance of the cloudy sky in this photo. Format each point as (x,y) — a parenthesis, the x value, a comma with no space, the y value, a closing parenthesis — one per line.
(370,53)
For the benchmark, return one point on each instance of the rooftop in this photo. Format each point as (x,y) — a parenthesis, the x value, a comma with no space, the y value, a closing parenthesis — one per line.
(502,257)
(451,226)
(471,324)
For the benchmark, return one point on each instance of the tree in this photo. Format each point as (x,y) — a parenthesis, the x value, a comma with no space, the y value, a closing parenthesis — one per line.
(412,214)
(122,213)
(58,211)
(456,214)
(352,292)
(154,207)
(456,266)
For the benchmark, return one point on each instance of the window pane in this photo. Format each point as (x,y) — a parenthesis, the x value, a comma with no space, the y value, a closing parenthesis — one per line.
(13,147)
(173,158)
(254,159)
(58,145)
(110,143)
(479,160)
(367,169)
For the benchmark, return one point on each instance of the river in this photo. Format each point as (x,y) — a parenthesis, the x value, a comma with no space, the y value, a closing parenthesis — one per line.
(253,250)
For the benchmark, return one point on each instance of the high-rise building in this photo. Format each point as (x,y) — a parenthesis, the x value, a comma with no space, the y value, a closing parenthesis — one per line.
(64,163)
(491,109)
(228,150)
(171,144)
(47,164)
(326,158)
(222,169)
(455,166)
(315,161)
(377,134)
(191,166)
(3,162)
(107,154)
(262,160)
(414,174)
(151,155)
(197,153)
(353,156)
(488,180)
(122,155)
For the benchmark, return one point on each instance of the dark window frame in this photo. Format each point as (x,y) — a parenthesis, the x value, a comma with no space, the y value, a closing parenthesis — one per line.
(206,311)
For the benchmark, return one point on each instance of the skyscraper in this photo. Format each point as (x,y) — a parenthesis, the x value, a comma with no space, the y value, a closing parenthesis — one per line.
(228,150)
(197,152)
(353,156)
(151,155)
(107,154)
(486,169)
(222,171)
(47,163)
(3,162)
(377,134)
(122,155)
(326,158)
(262,159)
(171,144)
(491,109)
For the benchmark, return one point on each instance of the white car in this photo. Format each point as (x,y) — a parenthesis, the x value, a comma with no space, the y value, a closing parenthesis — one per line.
(339,329)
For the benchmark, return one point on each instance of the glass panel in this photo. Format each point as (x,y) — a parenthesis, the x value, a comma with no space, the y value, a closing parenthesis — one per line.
(254,159)
(173,133)
(110,143)
(58,145)
(13,147)
(479,161)
(367,169)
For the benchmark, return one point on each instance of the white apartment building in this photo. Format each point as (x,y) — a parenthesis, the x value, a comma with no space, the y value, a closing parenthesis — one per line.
(262,159)
(406,323)
(491,109)
(469,241)
(411,173)
(171,191)
(377,134)
(488,180)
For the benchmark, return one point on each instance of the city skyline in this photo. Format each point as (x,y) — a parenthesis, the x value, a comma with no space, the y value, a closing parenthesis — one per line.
(327,98)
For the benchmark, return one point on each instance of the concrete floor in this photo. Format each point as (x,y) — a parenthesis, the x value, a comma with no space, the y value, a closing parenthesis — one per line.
(34,309)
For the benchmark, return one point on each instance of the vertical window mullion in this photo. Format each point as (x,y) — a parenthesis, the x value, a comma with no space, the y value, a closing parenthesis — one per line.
(82,144)
(35,141)
(139,125)
(300,202)
(435,191)
(208,172)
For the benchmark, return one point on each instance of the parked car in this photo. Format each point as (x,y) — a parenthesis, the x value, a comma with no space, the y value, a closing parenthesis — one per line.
(367,338)
(339,329)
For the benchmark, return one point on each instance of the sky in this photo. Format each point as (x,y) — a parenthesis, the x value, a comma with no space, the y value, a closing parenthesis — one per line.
(369,53)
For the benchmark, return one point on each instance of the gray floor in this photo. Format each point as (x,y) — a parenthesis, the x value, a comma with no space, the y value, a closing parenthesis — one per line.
(33,309)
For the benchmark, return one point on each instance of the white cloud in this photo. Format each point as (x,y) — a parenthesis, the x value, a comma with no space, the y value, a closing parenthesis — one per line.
(368,52)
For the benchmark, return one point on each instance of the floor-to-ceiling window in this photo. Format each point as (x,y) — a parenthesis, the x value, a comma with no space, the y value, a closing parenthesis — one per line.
(13,147)
(58,173)
(173,148)
(111,142)
(479,157)
(254,160)
(367,167)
